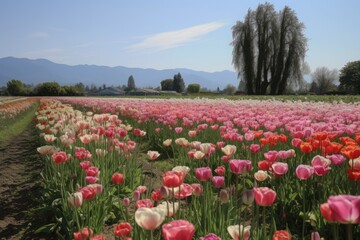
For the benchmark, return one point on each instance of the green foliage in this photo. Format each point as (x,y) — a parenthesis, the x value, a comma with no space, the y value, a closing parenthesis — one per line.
(229,89)
(167,85)
(71,91)
(269,49)
(131,84)
(350,77)
(17,88)
(193,88)
(48,89)
(178,84)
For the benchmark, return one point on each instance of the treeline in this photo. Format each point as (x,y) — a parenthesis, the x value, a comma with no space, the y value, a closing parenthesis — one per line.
(18,88)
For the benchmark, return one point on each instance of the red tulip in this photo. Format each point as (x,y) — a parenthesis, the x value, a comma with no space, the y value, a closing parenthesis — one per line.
(59,157)
(123,229)
(117,178)
(281,235)
(264,196)
(172,179)
(178,229)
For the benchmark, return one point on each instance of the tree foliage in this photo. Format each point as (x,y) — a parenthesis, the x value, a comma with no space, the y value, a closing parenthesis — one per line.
(48,89)
(193,88)
(324,78)
(130,84)
(167,85)
(350,77)
(17,88)
(268,49)
(229,89)
(178,83)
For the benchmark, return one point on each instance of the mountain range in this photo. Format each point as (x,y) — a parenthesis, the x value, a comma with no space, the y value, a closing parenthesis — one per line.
(37,71)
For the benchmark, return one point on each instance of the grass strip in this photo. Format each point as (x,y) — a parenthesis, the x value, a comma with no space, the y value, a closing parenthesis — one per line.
(18,125)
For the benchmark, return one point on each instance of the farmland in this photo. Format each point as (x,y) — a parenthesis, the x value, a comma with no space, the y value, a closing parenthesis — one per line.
(208,168)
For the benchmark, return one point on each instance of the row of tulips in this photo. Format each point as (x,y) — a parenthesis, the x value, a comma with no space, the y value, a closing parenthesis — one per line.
(12,108)
(300,166)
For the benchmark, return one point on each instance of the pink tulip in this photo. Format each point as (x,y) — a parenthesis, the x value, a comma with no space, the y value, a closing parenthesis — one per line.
(254,148)
(321,165)
(197,189)
(220,170)
(336,159)
(315,236)
(264,196)
(345,208)
(210,236)
(271,156)
(178,130)
(304,172)
(152,155)
(240,166)
(203,174)
(279,168)
(218,181)
(144,203)
(178,229)
(85,164)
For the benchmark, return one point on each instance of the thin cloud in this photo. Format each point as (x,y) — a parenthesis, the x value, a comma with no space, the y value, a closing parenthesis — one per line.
(38,35)
(172,39)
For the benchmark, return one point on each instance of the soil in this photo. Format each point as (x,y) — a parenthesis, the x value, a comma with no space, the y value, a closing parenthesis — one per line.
(20,167)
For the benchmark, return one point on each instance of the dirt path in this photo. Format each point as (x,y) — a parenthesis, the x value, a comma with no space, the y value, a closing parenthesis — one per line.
(20,166)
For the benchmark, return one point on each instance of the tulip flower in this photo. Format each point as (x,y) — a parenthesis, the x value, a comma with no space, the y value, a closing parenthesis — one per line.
(117,178)
(172,179)
(203,174)
(220,170)
(59,157)
(342,209)
(210,236)
(197,189)
(239,233)
(261,175)
(76,199)
(279,168)
(218,181)
(281,235)
(149,218)
(229,150)
(123,229)
(264,196)
(178,229)
(152,155)
(304,172)
(240,166)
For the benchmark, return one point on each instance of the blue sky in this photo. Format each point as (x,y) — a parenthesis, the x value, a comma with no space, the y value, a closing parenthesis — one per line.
(164,34)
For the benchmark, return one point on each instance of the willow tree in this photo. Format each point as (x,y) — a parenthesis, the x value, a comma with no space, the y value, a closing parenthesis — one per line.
(269,49)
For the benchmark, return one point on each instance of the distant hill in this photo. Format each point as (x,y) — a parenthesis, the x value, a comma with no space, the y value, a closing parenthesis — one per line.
(42,70)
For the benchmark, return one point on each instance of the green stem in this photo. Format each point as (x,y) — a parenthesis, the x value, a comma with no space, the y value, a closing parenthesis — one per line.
(303,223)
(264,223)
(349,233)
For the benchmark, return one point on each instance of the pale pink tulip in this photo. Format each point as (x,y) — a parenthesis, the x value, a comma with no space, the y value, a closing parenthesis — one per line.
(239,233)
(304,172)
(149,218)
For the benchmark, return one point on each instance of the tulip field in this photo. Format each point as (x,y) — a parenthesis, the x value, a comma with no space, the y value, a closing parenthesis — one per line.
(179,169)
